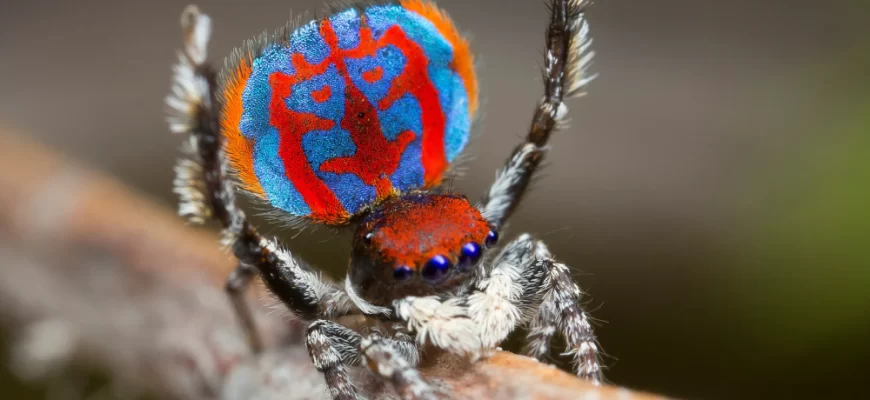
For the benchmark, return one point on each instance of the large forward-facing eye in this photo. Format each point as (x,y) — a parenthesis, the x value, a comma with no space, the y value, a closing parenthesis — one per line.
(436,268)
(469,255)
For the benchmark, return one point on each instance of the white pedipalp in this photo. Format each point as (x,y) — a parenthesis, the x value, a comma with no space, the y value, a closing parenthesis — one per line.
(444,324)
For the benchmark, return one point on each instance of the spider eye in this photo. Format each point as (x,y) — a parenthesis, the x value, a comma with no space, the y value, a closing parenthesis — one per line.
(436,268)
(469,256)
(367,238)
(403,273)
(491,238)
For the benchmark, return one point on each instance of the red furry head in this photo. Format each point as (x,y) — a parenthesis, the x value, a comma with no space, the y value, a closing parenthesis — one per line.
(419,242)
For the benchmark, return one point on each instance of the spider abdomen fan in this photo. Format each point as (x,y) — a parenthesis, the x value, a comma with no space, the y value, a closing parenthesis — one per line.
(328,120)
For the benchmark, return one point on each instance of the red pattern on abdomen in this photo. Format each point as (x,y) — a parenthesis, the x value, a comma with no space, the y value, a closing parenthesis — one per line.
(376,158)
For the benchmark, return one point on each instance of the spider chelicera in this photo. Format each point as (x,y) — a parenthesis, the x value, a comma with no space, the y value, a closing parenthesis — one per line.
(353,120)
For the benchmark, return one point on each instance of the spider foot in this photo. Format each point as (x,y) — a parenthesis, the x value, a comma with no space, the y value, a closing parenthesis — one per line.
(386,360)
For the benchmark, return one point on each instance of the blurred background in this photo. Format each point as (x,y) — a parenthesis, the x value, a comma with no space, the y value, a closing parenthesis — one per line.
(712,192)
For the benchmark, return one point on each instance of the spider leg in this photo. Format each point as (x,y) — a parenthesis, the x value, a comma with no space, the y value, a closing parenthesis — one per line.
(565,76)
(395,360)
(561,311)
(334,347)
(207,191)
(236,285)
(331,347)
(527,286)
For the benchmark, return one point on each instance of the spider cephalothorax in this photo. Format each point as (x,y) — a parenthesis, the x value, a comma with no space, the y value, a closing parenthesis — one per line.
(418,244)
(355,118)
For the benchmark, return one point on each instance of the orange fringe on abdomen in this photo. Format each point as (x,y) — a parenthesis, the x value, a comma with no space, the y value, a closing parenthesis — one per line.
(239,149)
(463,60)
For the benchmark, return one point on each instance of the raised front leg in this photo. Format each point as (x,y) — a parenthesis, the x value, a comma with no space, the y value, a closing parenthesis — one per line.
(565,76)
(206,190)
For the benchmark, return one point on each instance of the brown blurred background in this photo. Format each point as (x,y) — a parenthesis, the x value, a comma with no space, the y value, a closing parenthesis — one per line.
(712,192)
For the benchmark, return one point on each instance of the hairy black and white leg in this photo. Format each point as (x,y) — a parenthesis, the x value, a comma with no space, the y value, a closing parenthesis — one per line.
(332,348)
(396,361)
(526,286)
(207,191)
(561,310)
(565,76)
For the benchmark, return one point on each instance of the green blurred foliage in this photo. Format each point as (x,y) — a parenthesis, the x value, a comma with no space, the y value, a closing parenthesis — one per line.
(803,268)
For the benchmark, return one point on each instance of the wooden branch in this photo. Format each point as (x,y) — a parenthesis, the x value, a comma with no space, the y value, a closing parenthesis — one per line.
(93,274)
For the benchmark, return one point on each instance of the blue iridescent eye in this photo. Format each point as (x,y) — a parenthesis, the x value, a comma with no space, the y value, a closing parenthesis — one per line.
(469,256)
(436,268)
(491,238)
(403,273)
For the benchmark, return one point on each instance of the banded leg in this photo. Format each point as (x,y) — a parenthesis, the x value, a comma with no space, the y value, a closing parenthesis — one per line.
(333,347)
(396,361)
(525,284)
(561,310)
(206,190)
(565,76)
(236,286)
